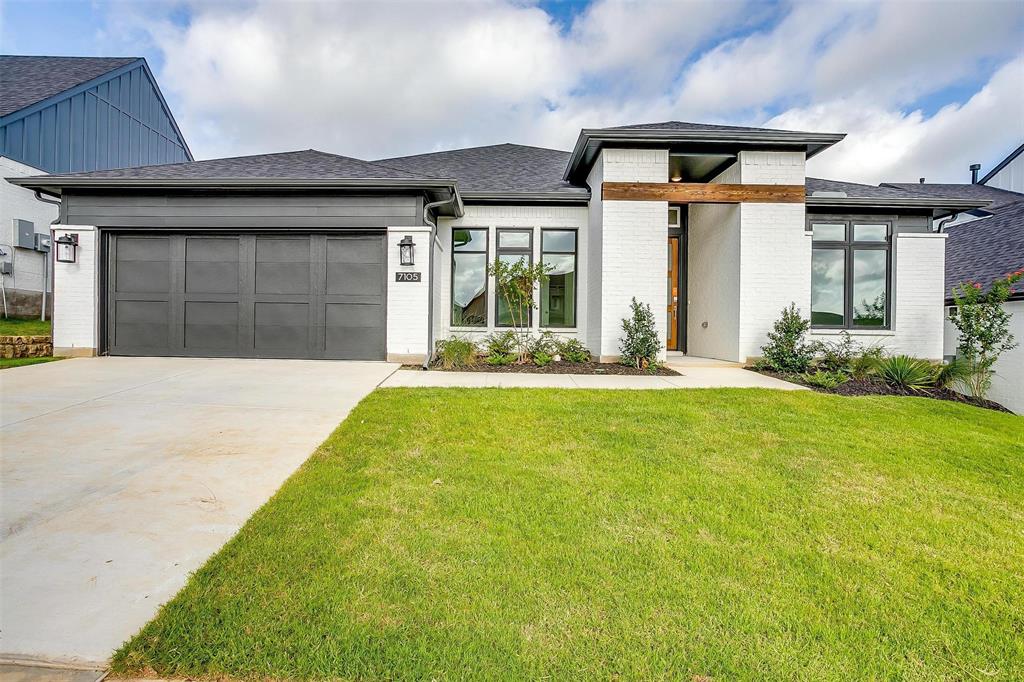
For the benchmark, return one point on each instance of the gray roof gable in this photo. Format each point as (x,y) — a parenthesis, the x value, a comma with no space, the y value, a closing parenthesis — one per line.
(857,190)
(501,169)
(685,126)
(985,249)
(26,80)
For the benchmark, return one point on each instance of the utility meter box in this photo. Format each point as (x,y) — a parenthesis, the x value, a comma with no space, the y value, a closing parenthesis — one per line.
(42,242)
(25,233)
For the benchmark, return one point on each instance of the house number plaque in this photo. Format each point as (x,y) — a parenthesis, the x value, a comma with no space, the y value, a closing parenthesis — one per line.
(408,277)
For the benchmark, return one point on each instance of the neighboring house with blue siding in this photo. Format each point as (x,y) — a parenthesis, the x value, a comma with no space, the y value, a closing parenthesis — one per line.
(69,115)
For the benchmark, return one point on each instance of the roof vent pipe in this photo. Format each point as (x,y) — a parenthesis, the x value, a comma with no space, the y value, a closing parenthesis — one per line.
(975,167)
(920,181)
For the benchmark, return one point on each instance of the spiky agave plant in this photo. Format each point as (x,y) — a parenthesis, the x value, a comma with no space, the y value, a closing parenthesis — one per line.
(907,372)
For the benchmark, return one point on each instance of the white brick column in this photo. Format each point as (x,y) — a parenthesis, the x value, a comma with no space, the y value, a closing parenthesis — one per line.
(775,252)
(634,244)
(407,303)
(75,295)
(919,292)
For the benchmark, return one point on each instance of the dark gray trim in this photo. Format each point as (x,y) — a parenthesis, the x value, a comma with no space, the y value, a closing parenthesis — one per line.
(937,206)
(573,198)
(487,278)
(591,140)
(849,246)
(575,253)
(498,251)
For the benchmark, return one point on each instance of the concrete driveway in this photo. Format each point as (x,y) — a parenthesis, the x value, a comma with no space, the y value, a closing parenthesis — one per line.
(120,476)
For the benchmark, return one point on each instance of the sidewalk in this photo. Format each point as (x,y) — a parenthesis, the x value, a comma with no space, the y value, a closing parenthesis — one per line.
(692,377)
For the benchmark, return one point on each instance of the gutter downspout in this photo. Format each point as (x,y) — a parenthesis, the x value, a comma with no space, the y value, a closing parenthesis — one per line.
(47,271)
(944,221)
(430,274)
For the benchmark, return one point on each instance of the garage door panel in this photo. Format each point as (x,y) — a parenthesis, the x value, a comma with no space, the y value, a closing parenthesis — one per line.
(211,325)
(355,250)
(353,331)
(283,278)
(355,279)
(142,324)
(211,265)
(282,327)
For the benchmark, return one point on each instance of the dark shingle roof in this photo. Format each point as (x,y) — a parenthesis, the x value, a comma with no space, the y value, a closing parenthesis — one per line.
(997,196)
(985,249)
(685,126)
(495,169)
(854,189)
(27,80)
(306,164)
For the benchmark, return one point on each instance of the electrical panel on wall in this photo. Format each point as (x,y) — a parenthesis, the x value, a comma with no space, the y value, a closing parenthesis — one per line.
(25,234)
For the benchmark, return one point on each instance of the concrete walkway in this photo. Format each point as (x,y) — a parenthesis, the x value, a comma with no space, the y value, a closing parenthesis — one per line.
(692,377)
(123,475)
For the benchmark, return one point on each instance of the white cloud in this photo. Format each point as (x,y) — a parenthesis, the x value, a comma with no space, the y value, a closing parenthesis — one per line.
(895,146)
(376,79)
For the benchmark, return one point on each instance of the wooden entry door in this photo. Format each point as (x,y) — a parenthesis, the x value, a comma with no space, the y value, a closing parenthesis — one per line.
(672,342)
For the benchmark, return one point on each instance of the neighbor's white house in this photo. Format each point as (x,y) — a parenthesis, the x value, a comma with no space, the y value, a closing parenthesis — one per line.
(300,254)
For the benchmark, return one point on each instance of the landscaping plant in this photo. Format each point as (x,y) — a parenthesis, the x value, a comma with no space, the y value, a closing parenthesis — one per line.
(787,350)
(544,344)
(542,359)
(904,371)
(515,282)
(835,356)
(863,364)
(640,344)
(824,378)
(501,347)
(572,350)
(984,327)
(456,352)
(955,373)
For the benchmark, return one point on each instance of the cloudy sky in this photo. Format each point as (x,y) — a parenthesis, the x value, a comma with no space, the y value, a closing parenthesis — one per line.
(922,88)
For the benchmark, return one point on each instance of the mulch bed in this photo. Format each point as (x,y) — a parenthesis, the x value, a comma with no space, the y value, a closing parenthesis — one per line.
(856,387)
(605,368)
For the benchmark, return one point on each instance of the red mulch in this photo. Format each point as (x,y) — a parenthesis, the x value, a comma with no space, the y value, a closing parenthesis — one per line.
(560,368)
(856,387)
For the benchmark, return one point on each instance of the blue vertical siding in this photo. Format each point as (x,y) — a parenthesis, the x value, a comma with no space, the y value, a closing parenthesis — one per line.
(118,122)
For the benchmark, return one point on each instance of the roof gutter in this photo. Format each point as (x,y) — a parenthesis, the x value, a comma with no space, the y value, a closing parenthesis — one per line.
(938,206)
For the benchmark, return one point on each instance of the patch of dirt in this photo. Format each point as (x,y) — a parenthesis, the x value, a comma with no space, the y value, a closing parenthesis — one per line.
(856,387)
(606,368)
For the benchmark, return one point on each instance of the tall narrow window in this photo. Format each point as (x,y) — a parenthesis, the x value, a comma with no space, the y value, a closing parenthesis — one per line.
(850,274)
(469,277)
(558,290)
(513,245)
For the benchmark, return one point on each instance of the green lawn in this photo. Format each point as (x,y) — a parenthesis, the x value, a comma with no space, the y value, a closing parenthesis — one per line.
(527,534)
(17,326)
(8,363)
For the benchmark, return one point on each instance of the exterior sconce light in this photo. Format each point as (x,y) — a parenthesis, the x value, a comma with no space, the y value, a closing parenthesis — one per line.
(67,248)
(405,249)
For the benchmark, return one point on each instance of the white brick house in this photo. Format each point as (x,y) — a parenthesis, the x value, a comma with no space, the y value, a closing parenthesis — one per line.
(299,254)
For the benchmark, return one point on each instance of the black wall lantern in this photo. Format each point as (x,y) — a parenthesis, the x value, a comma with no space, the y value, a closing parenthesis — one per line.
(67,248)
(405,248)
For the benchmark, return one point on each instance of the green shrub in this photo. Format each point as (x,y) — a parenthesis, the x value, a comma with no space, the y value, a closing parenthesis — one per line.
(541,359)
(545,344)
(572,350)
(835,356)
(786,350)
(955,373)
(825,378)
(501,343)
(863,364)
(456,352)
(500,359)
(984,327)
(906,372)
(640,345)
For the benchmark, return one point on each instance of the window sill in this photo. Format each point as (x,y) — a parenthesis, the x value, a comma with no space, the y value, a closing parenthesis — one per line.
(853,332)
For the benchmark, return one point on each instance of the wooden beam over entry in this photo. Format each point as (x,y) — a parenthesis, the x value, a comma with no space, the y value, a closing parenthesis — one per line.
(702,193)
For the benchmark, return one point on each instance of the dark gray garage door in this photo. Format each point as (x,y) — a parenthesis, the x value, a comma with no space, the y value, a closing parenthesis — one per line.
(280,296)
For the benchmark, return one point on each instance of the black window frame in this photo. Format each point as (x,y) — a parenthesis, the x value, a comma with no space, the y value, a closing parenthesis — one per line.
(511,251)
(487,279)
(849,245)
(575,270)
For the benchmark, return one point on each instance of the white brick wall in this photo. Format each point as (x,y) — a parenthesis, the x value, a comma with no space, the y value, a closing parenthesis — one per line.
(407,301)
(18,202)
(595,236)
(75,295)
(917,291)
(492,218)
(633,245)
(1008,383)
(775,253)
(713,281)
